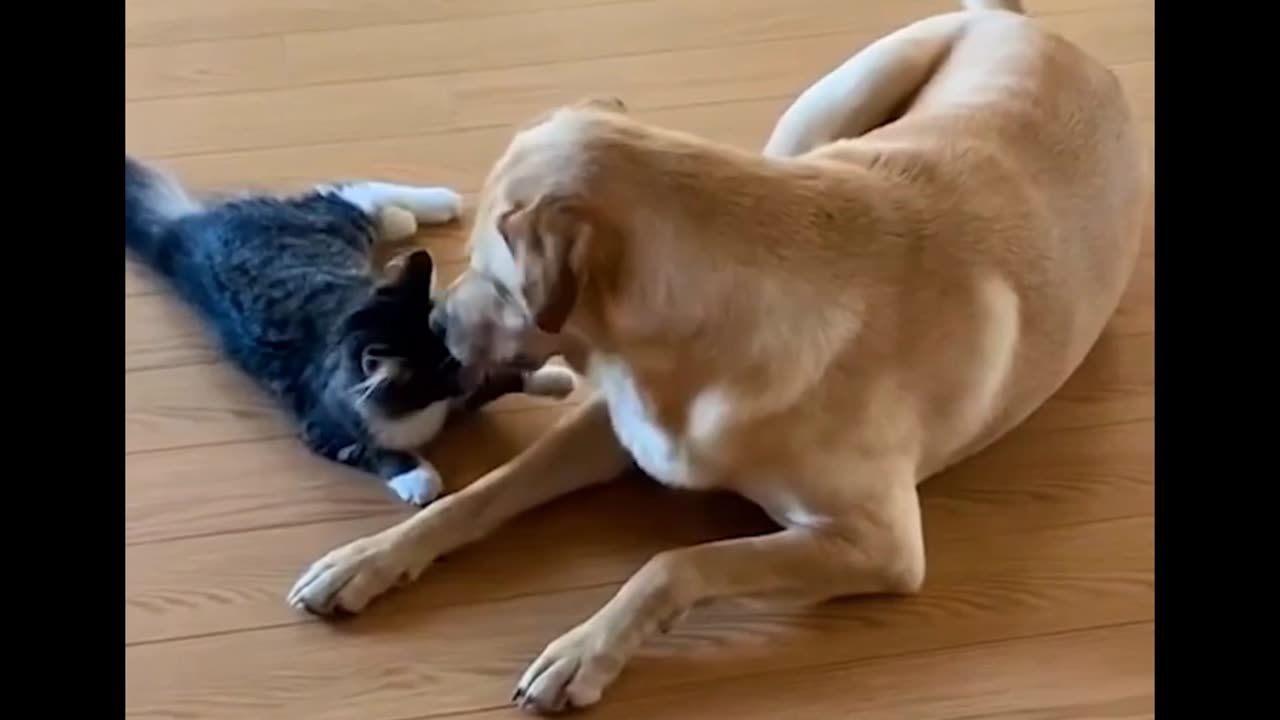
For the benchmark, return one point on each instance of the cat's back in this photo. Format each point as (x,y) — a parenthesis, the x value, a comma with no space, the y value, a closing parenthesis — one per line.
(277,275)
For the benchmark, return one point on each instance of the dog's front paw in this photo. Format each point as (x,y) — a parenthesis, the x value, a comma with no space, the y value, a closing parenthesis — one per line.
(550,381)
(346,579)
(571,673)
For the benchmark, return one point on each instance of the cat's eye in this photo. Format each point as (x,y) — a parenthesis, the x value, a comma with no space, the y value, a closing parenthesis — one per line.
(372,359)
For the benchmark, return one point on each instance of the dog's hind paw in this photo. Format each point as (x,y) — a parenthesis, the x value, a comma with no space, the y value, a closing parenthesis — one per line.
(571,673)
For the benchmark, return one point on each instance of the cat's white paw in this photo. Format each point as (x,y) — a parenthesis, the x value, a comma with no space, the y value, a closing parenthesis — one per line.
(396,223)
(418,486)
(430,204)
(435,205)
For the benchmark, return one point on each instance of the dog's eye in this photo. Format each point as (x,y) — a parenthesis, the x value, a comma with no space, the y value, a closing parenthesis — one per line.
(504,226)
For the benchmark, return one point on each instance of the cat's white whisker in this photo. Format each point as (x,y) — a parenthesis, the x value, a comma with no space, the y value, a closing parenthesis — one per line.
(366,387)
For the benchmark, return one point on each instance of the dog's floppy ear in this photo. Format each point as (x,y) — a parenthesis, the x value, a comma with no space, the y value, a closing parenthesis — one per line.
(552,241)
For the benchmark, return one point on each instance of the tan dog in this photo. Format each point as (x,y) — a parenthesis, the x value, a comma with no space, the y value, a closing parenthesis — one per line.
(819,328)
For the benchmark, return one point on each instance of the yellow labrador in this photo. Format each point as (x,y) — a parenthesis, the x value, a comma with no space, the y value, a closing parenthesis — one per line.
(933,239)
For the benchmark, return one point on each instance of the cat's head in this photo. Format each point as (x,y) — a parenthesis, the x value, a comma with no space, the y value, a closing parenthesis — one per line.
(399,364)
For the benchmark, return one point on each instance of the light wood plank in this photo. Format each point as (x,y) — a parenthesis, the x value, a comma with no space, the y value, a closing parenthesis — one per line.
(466,657)
(461,159)
(638,28)
(233,581)
(205,68)
(139,281)
(215,489)
(436,44)
(1011,680)
(414,105)
(465,156)
(160,331)
(165,22)
(196,405)
(245,485)
(1045,534)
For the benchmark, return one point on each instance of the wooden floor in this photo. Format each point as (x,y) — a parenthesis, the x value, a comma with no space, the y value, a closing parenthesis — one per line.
(1041,591)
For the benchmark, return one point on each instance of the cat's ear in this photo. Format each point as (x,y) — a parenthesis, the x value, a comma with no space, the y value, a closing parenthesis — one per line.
(414,271)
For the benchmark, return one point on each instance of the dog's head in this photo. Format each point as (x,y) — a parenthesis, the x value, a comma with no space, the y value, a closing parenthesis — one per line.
(538,239)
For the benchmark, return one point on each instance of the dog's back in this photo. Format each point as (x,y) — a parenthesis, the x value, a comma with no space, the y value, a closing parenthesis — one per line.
(1017,168)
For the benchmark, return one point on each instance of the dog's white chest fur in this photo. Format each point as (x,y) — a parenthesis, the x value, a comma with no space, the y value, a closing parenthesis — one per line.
(652,447)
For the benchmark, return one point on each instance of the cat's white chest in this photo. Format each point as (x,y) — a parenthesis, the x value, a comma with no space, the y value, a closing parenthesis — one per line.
(655,450)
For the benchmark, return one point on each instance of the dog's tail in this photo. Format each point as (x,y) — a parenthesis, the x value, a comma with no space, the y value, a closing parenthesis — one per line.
(1010,5)
(152,202)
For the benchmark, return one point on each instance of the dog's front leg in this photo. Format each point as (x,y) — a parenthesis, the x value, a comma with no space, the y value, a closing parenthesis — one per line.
(581,451)
(878,548)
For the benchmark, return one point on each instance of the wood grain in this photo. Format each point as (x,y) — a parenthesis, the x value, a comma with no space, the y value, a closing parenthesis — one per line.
(205,68)
(1081,486)
(169,22)
(459,654)
(1007,680)
(1039,602)
(404,106)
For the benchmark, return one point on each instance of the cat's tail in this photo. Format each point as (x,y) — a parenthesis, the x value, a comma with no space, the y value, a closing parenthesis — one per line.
(152,202)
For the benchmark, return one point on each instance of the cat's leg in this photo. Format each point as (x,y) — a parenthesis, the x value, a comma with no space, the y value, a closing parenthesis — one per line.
(398,209)
(412,479)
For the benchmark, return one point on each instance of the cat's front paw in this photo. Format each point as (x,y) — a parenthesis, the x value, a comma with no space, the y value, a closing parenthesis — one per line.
(419,486)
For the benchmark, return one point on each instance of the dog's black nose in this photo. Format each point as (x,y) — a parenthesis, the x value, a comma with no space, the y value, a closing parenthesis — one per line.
(436,322)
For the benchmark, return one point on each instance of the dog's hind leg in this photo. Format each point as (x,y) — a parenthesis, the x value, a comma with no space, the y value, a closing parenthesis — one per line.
(867,90)
(875,546)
